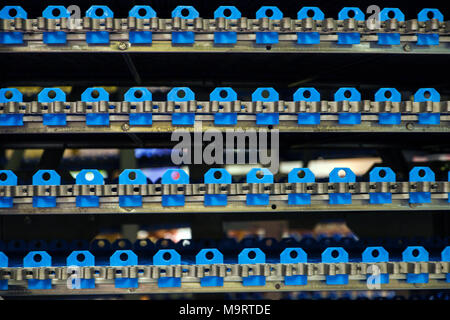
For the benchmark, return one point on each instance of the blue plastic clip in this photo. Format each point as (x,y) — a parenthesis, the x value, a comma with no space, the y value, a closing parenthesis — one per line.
(124,258)
(139,95)
(252,256)
(227,12)
(272,13)
(210,256)
(416,254)
(445,256)
(88,177)
(45,178)
(13,95)
(309,37)
(184,12)
(300,175)
(381,174)
(36,259)
(428,94)
(294,255)
(376,254)
(52,95)
(141,12)
(180,94)
(216,176)
(335,255)
(389,94)
(309,95)
(429,39)
(348,94)
(3,264)
(93,95)
(341,175)
(98,12)
(224,94)
(55,12)
(388,39)
(130,176)
(257,175)
(350,37)
(76,259)
(174,176)
(7,178)
(266,95)
(420,174)
(12,12)
(167,257)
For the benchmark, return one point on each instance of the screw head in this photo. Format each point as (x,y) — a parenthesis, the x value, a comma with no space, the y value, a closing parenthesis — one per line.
(407,47)
(125,127)
(410,126)
(123,46)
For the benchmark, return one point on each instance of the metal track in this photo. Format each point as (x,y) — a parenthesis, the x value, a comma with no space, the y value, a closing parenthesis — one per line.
(232,273)
(194,193)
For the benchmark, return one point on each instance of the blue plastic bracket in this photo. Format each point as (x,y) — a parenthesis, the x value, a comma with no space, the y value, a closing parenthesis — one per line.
(347,177)
(266,95)
(13,95)
(12,12)
(300,175)
(429,39)
(174,176)
(216,176)
(348,94)
(227,12)
(124,258)
(139,95)
(88,177)
(3,264)
(349,38)
(381,174)
(180,94)
(309,37)
(294,255)
(389,39)
(184,12)
(210,256)
(98,12)
(51,95)
(420,174)
(55,12)
(445,256)
(35,259)
(335,255)
(252,256)
(224,94)
(272,13)
(167,257)
(376,254)
(7,178)
(141,12)
(80,258)
(45,178)
(428,94)
(134,177)
(416,254)
(389,94)
(93,95)
(259,199)
(308,95)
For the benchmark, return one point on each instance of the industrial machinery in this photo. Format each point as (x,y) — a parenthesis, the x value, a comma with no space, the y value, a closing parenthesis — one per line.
(242,150)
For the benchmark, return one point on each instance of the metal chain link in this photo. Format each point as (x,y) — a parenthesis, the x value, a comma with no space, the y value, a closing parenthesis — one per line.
(243,107)
(224,270)
(284,25)
(228,189)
